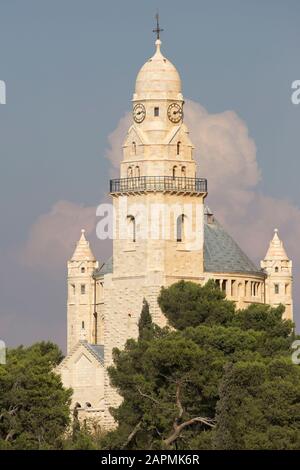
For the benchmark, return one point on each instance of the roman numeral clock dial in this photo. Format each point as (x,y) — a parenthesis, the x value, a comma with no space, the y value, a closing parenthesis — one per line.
(175,112)
(139,113)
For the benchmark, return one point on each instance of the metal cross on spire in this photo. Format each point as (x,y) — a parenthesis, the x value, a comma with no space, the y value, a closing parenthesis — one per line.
(157,30)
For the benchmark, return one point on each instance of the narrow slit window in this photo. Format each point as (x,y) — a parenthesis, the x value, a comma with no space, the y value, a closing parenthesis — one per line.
(276,288)
(132,228)
(82,289)
(179,227)
(156,111)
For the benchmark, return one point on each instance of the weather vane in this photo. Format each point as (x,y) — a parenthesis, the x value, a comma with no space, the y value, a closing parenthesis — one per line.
(157,30)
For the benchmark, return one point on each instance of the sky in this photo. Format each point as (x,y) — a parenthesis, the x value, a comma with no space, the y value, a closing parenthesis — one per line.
(70,68)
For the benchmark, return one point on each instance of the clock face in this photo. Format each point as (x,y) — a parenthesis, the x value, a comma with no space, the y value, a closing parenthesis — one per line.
(175,112)
(139,113)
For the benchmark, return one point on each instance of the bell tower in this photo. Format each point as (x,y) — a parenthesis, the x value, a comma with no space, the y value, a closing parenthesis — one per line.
(158,208)
(158,199)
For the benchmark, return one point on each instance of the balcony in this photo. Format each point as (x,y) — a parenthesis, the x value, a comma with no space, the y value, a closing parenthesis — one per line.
(168,184)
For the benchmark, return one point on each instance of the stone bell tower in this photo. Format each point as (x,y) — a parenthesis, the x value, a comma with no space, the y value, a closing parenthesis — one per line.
(158,199)
(158,204)
(279,282)
(158,208)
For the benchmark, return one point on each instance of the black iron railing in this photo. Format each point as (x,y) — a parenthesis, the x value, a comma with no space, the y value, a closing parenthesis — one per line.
(158,183)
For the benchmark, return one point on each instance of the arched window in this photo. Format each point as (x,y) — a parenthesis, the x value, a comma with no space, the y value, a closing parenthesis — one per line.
(276,288)
(276,269)
(82,289)
(178,147)
(132,227)
(137,171)
(183,171)
(83,270)
(180,227)
(129,172)
(133,148)
(174,171)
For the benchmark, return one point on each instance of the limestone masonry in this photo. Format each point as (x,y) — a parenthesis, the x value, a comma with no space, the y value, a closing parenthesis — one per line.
(158,173)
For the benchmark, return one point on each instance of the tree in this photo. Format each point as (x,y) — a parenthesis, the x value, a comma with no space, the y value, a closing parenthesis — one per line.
(34,406)
(176,384)
(145,321)
(188,304)
(259,406)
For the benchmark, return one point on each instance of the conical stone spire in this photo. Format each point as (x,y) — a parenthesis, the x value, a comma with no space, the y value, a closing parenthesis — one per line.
(276,249)
(83,250)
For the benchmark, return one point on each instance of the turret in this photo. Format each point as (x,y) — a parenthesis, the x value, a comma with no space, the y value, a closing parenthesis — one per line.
(81,293)
(278,268)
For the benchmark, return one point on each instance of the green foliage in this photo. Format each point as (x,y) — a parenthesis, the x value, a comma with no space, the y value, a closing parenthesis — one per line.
(259,406)
(264,318)
(34,406)
(222,380)
(87,436)
(145,321)
(188,304)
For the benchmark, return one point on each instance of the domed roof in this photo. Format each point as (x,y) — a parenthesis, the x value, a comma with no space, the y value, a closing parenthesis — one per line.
(158,76)
(221,253)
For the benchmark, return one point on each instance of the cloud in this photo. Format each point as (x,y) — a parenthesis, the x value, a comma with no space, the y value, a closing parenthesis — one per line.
(53,236)
(226,156)
(116,139)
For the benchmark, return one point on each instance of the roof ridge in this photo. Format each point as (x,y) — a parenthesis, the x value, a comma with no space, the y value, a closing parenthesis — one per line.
(88,346)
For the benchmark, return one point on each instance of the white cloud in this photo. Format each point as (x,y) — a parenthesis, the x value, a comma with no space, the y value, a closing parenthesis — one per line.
(53,236)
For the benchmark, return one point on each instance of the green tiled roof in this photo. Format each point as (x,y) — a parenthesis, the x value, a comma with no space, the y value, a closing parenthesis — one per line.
(222,254)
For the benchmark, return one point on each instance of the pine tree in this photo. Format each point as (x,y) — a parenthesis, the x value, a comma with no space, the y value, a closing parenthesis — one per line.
(145,321)
(222,380)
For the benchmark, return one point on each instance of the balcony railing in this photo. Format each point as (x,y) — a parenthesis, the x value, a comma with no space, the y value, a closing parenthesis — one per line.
(158,183)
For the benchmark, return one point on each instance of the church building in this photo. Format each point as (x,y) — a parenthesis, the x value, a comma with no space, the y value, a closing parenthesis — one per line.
(163,233)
